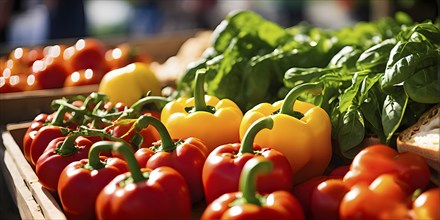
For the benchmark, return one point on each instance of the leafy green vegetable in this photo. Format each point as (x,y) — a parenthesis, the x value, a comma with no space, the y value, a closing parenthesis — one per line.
(378,76)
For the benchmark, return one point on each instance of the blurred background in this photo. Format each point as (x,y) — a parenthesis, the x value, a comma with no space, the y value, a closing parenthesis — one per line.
(32,22)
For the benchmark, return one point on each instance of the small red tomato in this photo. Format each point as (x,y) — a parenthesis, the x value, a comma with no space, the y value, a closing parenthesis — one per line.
(326,198)
(303,192)
(83,77)
(16,83)
(426,205)
(339,172)
(124,54)
(88,53)
(50,72)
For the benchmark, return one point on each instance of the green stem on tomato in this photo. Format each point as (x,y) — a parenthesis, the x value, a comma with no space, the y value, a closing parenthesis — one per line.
(167,142)
(249,136)
(292,96)
(95,163)
(248,178)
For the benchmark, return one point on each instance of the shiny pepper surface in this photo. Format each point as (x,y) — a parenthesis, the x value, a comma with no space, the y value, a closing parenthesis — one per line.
(214,121)
(161,193)
(305,141)
(247,203)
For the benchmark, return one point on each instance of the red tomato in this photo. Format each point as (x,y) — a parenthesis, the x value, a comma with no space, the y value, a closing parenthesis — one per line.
(426,205)
(88,53)
(326,198)
(303,192)
(339,172)
(16,83)
(50,72)
(34,55)
(83,77)
(124,54)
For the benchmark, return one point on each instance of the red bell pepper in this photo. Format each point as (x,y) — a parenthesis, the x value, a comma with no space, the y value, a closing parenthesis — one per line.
(123,128)
(373,161)
(248,204)
(59,153)
(224,164)
(81,181)
(186,156)
(68,116)
(38,122)
(143,194)
(42,139)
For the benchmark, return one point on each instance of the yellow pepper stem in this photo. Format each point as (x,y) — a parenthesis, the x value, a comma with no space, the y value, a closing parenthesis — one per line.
(292,96)
(199,94)
(249,136)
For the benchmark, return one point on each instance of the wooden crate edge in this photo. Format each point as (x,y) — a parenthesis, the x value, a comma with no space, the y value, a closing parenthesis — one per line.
(48,204)
(23,167)
(23,198)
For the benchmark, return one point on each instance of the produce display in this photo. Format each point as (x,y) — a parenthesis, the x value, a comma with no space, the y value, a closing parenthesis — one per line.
(58,66)
(268,123)
(379,77)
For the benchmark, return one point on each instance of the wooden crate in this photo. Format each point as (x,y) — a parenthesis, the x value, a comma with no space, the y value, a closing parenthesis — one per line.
(33,201)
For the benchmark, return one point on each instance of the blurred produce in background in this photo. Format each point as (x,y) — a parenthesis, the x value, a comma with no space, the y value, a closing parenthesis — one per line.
(33,22)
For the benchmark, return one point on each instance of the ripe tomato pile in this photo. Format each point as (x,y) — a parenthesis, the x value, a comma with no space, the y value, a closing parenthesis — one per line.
(57,66)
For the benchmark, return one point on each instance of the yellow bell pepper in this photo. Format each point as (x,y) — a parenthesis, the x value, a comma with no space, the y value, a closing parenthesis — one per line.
(301,131)
(130,83)
(214,121)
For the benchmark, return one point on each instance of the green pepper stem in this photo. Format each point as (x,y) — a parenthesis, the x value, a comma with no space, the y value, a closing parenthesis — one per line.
(199,91)
(248,178)
(137,106)
(145,120)
(59,116)
(67,147)
(121,147)
(249,136)
(292,96)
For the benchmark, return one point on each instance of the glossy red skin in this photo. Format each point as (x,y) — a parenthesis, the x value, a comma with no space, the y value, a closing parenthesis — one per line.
(187,158)
(339,172)
(361,202)
(52,76)
(163,196)
(149,134)
(78,187)
(50,164)
(83,80)
(31,132)
(7,87)
(425,206)
(92,56)
(373,161)
(222,169)
(280,205)
(42,139)
(303,193)
(326,198)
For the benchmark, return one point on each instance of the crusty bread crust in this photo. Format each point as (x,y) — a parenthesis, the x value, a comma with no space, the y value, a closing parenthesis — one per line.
(431,154)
